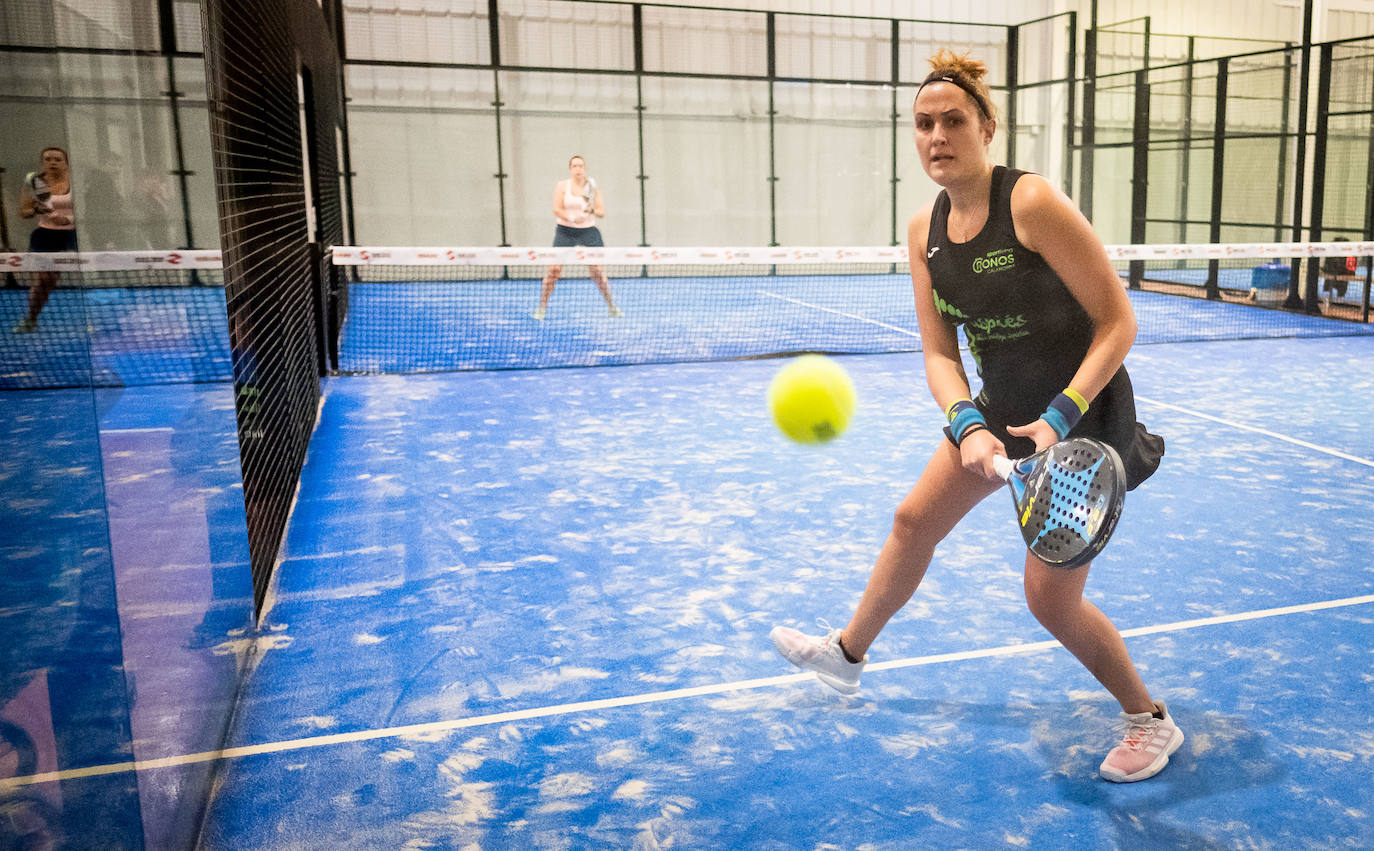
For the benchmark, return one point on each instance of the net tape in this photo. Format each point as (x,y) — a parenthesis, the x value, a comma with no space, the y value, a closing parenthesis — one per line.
(490,256)
(113,261)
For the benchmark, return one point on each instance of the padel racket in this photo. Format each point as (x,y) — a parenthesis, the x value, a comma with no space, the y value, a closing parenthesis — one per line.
(42,194)
(589,195)
(1068,498)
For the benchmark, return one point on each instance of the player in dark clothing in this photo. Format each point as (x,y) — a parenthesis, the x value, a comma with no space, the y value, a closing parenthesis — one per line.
(1013,261)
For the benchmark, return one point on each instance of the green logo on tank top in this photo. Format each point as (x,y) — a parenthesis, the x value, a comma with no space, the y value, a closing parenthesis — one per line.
(995,261)
(945,308)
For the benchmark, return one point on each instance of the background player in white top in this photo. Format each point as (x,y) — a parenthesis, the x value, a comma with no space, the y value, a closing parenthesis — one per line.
(577,204)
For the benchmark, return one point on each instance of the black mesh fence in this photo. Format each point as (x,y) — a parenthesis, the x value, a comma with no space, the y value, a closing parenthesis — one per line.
(267,61)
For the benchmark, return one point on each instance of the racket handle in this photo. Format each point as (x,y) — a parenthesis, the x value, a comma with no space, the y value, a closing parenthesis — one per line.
(1003,465)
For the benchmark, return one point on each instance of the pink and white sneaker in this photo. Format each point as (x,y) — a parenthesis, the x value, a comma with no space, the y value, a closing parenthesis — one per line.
(1145,747)
(821,654)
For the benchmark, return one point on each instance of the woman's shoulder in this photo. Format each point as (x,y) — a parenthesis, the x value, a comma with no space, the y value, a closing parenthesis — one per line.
(918,227)
(1033,193)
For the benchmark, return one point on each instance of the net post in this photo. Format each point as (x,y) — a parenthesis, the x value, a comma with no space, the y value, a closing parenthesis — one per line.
(1071,106)
(1013,60)
(1185,167)
(772,131)
(1314,230)
(1218,172)
(1089,141)
(1294,300)
(637,23)
(896,119)
(1140,171)
(494,40)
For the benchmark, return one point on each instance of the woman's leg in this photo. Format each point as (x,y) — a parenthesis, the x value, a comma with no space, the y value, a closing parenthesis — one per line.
(1055,597)
(603,283)
(43,286)
(941,497)
(550,279)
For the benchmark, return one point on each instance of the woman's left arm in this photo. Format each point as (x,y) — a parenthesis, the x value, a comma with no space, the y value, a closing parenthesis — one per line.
(1048,223)
(598,206)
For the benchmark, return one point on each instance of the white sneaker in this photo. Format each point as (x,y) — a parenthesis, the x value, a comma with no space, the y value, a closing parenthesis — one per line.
(25,326)
(1145,747)
(616,312)
(821,654)
(539,313)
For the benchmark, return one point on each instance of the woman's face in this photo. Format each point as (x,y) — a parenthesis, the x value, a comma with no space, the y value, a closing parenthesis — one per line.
(952,136)
(577,168)
(54,161)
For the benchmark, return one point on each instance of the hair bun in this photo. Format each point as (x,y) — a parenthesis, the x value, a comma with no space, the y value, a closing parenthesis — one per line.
(961,64)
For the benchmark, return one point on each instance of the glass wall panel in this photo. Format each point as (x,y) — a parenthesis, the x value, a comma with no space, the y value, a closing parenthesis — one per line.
(705,41)
(829,48)
(563,34)
(547,119)
(125,573)
(423,147)
(834,162)
(456,31)
(706,154)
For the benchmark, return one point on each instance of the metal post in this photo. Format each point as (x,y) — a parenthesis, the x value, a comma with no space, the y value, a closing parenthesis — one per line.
(1013,63)
(1187,164)
(1085,163)
(1294,300)
(1368,218)
(1218,169)
(4,218)
(772,158)
(1314,231)
(896,123)
(639,121)
(1140,171)
(167,36)
(1287,111)
(1073,103)
(494,35)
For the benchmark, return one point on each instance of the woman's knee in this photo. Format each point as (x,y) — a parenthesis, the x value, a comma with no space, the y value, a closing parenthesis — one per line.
(913,525)
(1053,599)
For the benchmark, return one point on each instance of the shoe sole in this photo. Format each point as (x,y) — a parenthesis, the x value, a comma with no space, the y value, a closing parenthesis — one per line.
(1153,768)
(839,685)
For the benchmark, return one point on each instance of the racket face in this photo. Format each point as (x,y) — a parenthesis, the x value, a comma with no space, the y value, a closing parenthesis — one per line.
(1068,499)
(39,187)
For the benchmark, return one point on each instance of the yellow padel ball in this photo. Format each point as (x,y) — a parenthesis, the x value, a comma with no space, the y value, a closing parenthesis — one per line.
(811,399)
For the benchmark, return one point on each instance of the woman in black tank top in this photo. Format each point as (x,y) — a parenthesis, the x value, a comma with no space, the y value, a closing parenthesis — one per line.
(1009,258)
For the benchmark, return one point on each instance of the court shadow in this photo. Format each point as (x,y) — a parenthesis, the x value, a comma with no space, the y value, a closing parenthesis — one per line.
(1221,756)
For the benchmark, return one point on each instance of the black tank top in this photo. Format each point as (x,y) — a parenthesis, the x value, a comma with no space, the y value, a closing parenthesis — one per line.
(1027,333)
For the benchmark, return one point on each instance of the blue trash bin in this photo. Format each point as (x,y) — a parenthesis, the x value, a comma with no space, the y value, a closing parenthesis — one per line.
(1269,283)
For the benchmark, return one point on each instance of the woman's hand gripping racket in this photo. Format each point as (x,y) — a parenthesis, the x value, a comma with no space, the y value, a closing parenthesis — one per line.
(1068,498)
(38,188)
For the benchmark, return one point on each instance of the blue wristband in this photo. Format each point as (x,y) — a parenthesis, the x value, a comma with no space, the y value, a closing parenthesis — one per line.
(1065,412)
(964,417)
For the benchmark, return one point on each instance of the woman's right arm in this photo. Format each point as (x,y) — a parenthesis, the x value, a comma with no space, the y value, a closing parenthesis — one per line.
(940,349)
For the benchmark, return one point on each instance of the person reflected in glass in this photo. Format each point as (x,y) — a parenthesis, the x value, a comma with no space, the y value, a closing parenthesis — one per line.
(577,204)
(47,196)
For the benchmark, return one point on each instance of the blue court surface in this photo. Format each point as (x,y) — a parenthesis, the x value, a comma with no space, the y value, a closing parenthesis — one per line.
(530,609)
(116,337)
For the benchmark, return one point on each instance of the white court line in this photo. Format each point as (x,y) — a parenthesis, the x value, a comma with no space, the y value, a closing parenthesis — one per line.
(1257,430)
(433,727)
(905,331)
(148,430)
